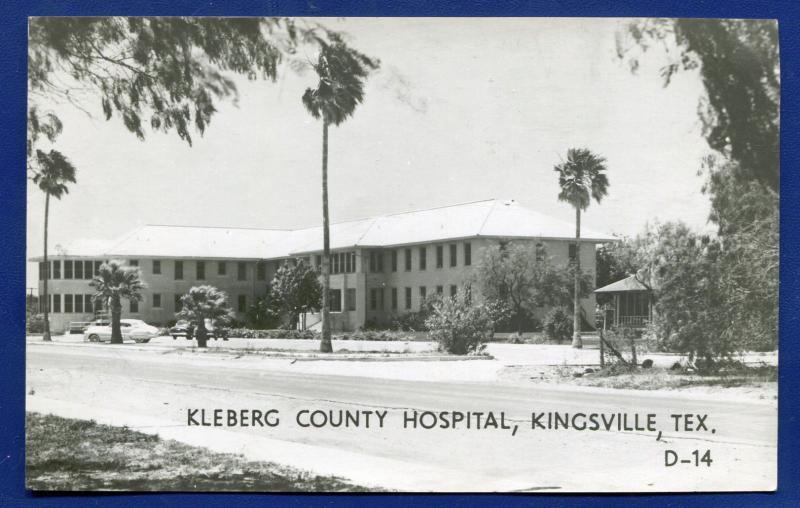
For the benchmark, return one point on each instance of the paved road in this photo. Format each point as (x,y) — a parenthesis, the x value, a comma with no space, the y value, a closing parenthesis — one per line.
(139,382)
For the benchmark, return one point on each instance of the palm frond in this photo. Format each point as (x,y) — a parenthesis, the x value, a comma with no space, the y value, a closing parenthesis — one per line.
(582,178)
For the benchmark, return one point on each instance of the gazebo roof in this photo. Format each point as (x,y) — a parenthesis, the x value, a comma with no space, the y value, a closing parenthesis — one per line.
(627,284)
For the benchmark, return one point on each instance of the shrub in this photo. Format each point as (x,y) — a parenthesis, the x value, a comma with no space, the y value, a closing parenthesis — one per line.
(248,333)
(516,338)
(459,327)
(34,323)
(558,325)
(390,335)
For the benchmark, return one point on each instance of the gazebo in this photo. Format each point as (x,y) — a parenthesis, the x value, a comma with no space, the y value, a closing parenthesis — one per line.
(631,302)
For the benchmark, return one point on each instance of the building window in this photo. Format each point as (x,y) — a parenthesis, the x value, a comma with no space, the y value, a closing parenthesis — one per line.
(453,290)
(572,251)
(87,270)
(439,290)
(423,293)
(57,302)
(540,252)
(261,270)
(68,269)
(87,304)
(408,298)
(178,270)
(41,273)
(373,299)
(67,302)
(78,270)
(133,262)
(394,298)
(318,260)
(439,256)
(222,267)
(241,270)
(350,299)
(156,300)
(57,269)
(242,303)
(79,303)
(200,269)
(423,258)
(394,260)
(97,265)
(453,254)
(134,306)
(156,267)
(408,260)
(376,261)
(335,300)
(178,303)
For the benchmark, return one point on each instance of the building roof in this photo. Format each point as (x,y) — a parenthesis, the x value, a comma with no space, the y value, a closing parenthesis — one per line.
(626,284)
(489,218)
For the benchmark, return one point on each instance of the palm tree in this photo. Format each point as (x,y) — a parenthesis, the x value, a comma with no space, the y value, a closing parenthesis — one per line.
(581,178)
(201,303)
(52,172)
(342,72)
(114,282)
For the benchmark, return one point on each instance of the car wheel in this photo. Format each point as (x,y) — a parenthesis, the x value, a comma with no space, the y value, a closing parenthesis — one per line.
(174,337)
(94,338)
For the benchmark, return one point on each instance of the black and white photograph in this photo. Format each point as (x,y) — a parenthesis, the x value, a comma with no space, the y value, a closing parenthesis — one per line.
(521,255)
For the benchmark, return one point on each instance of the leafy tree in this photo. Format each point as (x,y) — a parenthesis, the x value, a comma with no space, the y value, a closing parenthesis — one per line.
(689,312)
(342,72)
(51,172)
(295,290)
(610,265)
(737,60)
(581,178)
(114,282)
(749,260)
(521,276)
(201,303)
(165,72)
(264,314)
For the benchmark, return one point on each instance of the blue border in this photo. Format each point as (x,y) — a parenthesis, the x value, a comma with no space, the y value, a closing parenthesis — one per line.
(13,14)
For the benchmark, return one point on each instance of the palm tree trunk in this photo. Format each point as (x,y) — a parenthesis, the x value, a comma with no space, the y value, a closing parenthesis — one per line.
(202,334)
(325,345)
(46,335)
(116,314)
(576,317)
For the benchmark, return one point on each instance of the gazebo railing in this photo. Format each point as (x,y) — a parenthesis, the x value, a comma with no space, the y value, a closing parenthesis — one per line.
(633,321)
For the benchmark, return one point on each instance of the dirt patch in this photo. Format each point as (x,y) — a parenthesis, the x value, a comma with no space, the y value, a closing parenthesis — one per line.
(76,455)
(759,382)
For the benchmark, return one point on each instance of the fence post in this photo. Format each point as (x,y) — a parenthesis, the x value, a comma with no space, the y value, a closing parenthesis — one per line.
(602,349)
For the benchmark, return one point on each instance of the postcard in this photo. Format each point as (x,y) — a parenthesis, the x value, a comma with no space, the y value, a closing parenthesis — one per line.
(531,255)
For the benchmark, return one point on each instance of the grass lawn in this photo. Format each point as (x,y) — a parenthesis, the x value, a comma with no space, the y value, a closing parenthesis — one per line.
(73,455)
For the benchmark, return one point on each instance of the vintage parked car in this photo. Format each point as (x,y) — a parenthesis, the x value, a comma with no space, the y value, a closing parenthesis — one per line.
(132,329)
(184,328)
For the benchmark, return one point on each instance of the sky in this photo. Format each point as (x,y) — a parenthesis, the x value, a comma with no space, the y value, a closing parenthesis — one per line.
(460,110)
